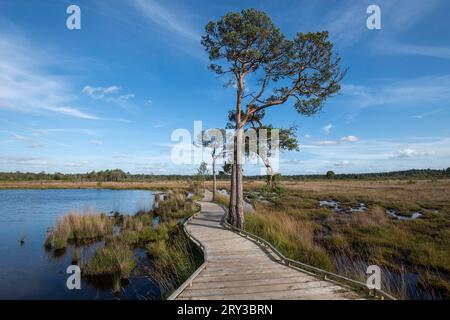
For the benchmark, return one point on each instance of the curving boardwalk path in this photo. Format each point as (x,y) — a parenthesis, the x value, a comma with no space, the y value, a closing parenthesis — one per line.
(237,268)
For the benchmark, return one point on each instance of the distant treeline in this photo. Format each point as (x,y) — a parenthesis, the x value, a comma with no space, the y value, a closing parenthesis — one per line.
(118,175)
(407,174)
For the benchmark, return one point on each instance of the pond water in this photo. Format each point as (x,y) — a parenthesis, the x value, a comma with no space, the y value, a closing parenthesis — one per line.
(28,271)
(337,206)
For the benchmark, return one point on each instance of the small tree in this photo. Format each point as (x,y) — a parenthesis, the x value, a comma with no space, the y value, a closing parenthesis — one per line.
(330,174)
(202,172)
(226,168)
(213,140)
(286,141)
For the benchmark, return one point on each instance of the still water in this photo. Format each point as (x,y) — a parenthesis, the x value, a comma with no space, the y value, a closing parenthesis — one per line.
(28,271)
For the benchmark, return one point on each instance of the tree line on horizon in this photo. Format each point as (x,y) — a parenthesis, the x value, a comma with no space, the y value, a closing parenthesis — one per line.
(118,175)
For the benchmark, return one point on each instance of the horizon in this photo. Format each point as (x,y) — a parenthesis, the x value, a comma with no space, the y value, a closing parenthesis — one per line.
(227,175)
(113,92)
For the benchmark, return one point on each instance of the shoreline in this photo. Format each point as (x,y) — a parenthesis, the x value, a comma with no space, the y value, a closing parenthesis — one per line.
(160,185)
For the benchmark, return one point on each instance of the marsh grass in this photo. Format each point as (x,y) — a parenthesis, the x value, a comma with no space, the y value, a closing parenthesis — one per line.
(175,257)
(175,206)
(405,250)
(294,237)
(80,228)
(115,259)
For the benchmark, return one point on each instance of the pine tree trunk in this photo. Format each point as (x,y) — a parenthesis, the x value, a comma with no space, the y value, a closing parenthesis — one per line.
(239,182)
(232,204)
(214,178)
(270,181)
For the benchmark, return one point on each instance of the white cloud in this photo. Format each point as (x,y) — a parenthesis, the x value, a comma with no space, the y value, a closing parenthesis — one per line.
(26,86)
(100,92)
(159,125)
(69,111)
(40,132)
(168,19)
(343,163)
(335,142)
(419,92)
(349,139)
(96,142)
(127,96)
(327,128)
(31,143)
(420,50)
(427,114)
(372,156)
(410,152)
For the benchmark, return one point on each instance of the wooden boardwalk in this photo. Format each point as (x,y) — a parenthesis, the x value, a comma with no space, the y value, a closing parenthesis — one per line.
(237,268)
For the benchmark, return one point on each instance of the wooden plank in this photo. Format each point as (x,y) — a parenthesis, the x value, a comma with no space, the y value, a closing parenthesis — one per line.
(222,284)
(254,276)
(320,286)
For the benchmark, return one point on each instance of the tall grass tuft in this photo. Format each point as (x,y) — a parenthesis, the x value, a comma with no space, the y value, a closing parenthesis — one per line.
(293,236)
(77,227)
(175,206)
(175,257)
(115,259)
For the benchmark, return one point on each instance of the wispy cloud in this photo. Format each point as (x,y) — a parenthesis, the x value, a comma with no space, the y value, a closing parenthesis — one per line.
(100,92)
(427,114)
(26,86)
(327,128)
(403,93)
(420,50)
(31,142)
(167,19)
(109,94)
(335,142)
(410,152)
(346,21)
(372,155)
(127,96)
(40,132)
(95,142)
(343,163)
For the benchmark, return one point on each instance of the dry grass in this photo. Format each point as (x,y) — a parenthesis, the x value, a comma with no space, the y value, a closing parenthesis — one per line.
(294,237)
(351,241)
(175,257)
(115,259)
(175,206)
(78,227)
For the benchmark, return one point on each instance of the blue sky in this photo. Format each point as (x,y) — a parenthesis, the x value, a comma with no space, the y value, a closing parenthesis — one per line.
(111,94)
